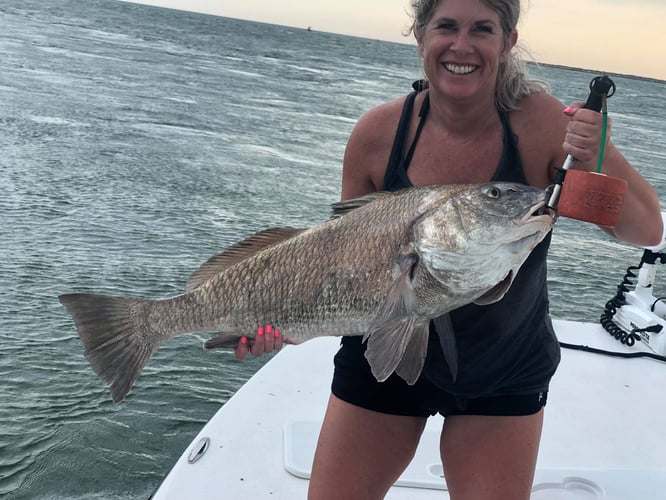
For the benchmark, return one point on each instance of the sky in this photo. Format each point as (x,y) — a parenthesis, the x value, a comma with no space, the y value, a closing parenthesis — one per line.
(615,36)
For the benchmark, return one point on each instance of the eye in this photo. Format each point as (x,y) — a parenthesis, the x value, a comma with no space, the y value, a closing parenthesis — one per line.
(492,192)
(446,25)
(483,28)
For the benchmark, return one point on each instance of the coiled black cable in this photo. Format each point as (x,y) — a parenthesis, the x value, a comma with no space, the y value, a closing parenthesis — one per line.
(606,320)
(618,301)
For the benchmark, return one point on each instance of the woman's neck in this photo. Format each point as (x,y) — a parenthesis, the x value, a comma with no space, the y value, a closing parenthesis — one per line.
(471,117)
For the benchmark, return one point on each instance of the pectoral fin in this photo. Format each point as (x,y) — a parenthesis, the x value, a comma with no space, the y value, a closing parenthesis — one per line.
(412,361)
(447,340)
(400,301)
(387,346)
(391,331)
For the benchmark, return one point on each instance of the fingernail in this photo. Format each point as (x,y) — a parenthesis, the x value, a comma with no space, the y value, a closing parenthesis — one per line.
(276,333)
(260,330)
(243,340)
(568,110)
(269,329)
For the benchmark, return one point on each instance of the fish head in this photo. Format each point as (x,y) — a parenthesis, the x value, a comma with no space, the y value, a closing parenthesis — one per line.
(474,241)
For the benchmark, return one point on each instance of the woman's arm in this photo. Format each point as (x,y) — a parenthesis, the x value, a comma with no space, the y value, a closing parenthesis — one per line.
(641,221)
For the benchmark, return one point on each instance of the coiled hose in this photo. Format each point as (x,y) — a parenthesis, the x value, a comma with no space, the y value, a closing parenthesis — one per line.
(618,301)
(606,320)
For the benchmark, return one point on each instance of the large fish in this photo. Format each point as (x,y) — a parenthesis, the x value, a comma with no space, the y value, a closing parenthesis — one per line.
(382,267)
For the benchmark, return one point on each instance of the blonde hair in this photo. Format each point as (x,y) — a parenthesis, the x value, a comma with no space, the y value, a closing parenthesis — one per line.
(513,81)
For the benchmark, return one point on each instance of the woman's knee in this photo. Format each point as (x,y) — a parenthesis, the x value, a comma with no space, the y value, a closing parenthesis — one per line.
(370,447)
(491,456)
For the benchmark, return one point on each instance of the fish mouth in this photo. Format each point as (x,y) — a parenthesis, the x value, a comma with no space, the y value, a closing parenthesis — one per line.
(543,216)
(496,292)
(539,212)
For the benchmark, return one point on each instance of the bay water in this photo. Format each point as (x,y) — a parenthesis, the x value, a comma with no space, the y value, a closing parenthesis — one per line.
(136,142)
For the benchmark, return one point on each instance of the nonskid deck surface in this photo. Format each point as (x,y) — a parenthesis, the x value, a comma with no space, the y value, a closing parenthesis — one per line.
(601,439)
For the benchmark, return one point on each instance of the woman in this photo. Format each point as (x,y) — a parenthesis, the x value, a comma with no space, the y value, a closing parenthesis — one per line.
(479,119)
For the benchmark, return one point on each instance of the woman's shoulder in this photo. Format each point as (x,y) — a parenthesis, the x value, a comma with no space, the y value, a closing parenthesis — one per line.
(539,114)
(375,130)
(381,118)
(369,147)
(537,104)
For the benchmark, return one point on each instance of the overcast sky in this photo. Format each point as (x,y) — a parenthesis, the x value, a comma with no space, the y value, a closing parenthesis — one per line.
(620,36)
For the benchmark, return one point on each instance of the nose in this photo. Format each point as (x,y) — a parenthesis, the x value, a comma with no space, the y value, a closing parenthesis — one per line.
(462,42)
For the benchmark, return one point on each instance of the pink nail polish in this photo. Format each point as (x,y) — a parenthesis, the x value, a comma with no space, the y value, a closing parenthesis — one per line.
(260,330)
(243,340)
(568,110)
(269,329)
(276,333)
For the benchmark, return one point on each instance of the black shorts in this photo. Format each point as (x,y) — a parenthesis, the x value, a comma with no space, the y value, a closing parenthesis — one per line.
(354,383)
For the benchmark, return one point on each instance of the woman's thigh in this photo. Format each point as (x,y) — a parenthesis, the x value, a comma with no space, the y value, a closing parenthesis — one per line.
(490,457)
(361,453)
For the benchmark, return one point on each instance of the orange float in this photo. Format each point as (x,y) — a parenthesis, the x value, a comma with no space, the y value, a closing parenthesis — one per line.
(590,196)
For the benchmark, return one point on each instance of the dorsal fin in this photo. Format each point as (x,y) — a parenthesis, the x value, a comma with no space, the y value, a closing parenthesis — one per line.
(344,207)
(237,252)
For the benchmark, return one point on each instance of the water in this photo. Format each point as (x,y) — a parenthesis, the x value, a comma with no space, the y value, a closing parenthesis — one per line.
(136,142)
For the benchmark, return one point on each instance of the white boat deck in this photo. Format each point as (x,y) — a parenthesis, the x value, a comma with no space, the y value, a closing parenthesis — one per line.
(604,435)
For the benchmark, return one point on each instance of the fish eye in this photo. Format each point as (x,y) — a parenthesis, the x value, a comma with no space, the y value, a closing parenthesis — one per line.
(492,192)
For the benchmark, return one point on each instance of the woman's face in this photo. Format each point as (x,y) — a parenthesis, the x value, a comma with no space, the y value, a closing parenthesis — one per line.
(462,47)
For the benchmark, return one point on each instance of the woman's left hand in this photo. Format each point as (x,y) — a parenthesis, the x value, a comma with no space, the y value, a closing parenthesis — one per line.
(583,135)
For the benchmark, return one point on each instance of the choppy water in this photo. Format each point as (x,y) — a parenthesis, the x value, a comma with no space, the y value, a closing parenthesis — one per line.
(136,142)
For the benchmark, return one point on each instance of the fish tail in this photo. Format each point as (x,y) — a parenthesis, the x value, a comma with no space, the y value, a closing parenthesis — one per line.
(116,344)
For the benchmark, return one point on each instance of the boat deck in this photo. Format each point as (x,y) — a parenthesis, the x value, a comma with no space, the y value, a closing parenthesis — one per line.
(603,435)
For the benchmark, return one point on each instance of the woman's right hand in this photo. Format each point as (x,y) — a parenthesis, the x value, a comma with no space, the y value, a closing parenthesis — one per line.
(267,340)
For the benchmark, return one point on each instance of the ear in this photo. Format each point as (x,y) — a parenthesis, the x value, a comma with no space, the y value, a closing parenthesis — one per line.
(509,43)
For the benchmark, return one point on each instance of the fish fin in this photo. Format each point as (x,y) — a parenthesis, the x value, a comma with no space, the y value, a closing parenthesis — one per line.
(400,301)
(344,207)
(447,340)
(115,346)
(223,341)
(412,361)
(387,346)
(238,252)
(390,332)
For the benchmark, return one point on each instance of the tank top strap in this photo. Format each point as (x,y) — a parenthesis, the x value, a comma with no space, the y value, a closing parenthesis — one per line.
(423,113)
(510,168)
(397,151)
(396,169)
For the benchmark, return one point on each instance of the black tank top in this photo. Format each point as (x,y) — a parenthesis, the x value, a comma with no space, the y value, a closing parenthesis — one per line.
(505,348)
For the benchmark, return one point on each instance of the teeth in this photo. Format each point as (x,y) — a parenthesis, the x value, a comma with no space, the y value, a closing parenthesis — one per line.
(458,69)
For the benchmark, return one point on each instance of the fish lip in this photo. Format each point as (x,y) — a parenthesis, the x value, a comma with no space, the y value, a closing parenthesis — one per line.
(539,212)
(500,289)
